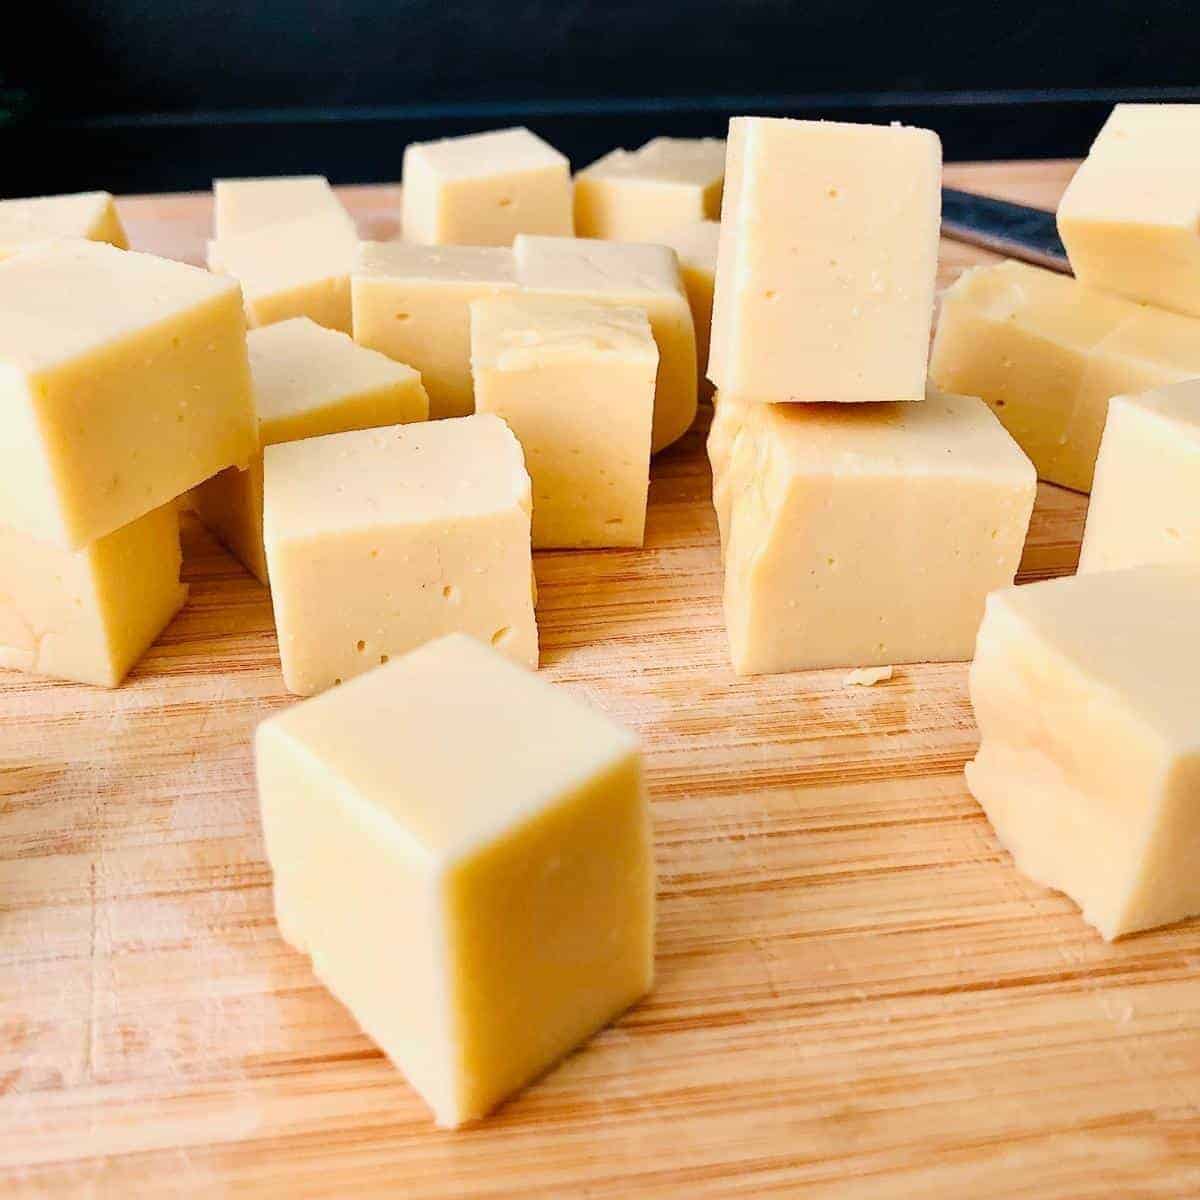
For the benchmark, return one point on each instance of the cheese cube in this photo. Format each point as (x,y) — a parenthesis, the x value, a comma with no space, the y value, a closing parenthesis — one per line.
(827,517)
(484,189)
(308,381)
(88,215)
(89,615)
(828,251)
(1047,354)
(382,539)
(481,909)
(575,383)
(413,303)
(1145,506)
(298,269)
(1130,218)
(1087,694)
(248,205)
(124,382)
(638,195)
(626,276)
(696,247)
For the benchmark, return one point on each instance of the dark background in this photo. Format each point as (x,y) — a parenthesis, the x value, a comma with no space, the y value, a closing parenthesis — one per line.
(149,95)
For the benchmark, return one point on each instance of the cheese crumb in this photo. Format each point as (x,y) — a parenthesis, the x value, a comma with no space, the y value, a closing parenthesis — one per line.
(867,676)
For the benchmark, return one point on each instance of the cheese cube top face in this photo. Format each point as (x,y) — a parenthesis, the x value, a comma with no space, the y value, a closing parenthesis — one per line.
(248,205)
(308,381)
(517,880)
(639,195)
(383,539)
(575,382)
(626,275)
(298,269)
(1047,354)
(484,189)
(125,382)
(89,615)
(1145,506)
(413,303)
(1130,218)
(828,251)
(91,216)
(1087,691)
(825,515)
(696,247)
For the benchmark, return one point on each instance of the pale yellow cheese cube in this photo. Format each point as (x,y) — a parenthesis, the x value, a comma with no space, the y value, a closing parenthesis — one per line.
(124,382)
(1047,354)
(465,853)
(248,205)
(1145,506)
(1087,694)
(382,539)
(826,264)
(89,615)
(1130,217)
(484,189)
(696,247)
(297,269)
(628,276)
(575,382)
(865,535)
(638,195)
(89,215)
(308,381)
(413,303)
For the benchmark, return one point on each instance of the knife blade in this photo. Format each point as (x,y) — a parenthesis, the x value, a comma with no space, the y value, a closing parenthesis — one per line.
(1007,228)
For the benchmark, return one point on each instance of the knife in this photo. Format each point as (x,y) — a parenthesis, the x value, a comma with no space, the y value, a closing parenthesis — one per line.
(1007,228)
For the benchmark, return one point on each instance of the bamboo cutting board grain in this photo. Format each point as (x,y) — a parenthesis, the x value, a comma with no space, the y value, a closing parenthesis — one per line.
(858,996)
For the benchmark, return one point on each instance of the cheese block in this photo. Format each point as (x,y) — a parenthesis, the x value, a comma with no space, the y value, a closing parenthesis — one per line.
(626,275)
(91,216)
(382,539)
(1087,694)
(308,381)
(696,247)
(1130,217)
(89,615)
(1145,506)
(826,263)
(124,382)
(297,269)
(248,205)
(480,913)
(1047,354)
(638,195)
(413,303)
(575,382)
(484,189)
(825,515)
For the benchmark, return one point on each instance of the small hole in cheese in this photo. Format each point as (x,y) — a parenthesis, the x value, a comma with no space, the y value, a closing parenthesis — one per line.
(361,646)
(502,635)
(450,592)
(504,201)
(382,659)
(402,316)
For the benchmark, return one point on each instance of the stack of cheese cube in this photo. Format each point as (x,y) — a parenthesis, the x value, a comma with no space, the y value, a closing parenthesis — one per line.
(1085,689)
(863,520)
(1048,352)
(125,383)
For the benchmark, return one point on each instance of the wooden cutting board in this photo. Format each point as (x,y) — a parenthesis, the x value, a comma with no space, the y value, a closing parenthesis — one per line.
(857,994)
